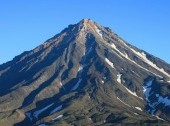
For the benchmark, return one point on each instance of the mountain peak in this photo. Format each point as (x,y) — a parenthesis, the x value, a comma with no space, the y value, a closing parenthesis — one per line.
(88,25)
(85,75)
(86,20)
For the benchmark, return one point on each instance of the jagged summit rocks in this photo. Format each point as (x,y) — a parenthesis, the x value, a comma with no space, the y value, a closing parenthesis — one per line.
(85,75)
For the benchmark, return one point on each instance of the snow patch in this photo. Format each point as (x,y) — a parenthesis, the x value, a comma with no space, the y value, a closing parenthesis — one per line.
(127,57)
(136,113)
(58,117)
(109,62)
(160,99)
(61,84)
(161,80)
(102,81)
(119,78)
(114,47)
(99,32)
(133,93)
(84,27)
(159,118)
(147,89)
(80,68)
(84,52)
(123,102)
(58,108)
(142,56)
(37,113)
(138,108)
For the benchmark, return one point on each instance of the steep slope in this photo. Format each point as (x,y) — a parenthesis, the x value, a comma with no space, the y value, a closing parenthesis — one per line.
(85,75)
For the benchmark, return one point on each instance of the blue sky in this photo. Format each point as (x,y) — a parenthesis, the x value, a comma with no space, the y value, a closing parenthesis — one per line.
(24,24)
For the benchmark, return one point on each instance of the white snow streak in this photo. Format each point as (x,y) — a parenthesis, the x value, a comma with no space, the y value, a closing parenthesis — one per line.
(37,113)
(80,68)
(119,78)
(139,108)
(58,108)
(126,56)
(58,117)
(61,84)
(159,118)
(136,113)
(77,85)
(133,93)
(142,56)
(99,32)
(123,102)
(84,27)
(109,62)
(147,89)
(161,99)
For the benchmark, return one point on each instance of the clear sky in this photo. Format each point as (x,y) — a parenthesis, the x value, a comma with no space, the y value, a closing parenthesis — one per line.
(24,24)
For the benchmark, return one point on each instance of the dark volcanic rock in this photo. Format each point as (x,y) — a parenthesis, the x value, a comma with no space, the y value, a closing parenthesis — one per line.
(85,75)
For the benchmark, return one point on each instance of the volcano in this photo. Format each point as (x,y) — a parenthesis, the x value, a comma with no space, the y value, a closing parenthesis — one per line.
(85,76)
